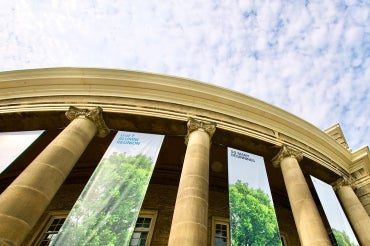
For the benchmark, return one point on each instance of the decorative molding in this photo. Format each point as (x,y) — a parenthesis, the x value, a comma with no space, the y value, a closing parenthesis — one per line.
(193,125)
(285,152)
(343,181)
(358,183)
(119,91)
(279,139)
(336,133)
(95,115)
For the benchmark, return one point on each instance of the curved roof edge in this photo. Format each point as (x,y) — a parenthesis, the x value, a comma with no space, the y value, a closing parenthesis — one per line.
(55,89)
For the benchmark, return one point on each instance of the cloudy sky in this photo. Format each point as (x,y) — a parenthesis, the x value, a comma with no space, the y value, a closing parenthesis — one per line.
(311,58)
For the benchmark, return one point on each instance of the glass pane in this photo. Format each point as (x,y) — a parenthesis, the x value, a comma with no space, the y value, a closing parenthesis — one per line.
(138,238)
(220,242)
(144,235)
(136,235)
(134,242)
(142,242)
(147,222)
(139,221)
(221,230)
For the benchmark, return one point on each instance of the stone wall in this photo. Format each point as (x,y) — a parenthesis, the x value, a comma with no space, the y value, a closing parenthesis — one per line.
(162,199)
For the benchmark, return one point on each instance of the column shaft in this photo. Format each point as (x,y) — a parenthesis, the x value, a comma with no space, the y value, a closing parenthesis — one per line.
(190,219)
(24,201)
(311,229)
(355,212)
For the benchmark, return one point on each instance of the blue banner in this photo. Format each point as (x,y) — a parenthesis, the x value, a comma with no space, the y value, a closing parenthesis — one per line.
(108,207)
(252,214)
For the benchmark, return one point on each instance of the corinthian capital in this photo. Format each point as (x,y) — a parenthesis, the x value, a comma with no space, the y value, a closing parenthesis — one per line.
(284,153)
(343,181)
(194,125)
(95,115)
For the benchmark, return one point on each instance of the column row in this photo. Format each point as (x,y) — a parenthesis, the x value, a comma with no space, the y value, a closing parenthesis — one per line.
(24,201)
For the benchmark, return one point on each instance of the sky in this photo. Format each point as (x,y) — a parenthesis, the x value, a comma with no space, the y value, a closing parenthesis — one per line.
(310,58)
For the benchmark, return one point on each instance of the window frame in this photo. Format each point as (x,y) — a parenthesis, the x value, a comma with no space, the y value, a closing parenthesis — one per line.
(284,239)
(222,221)
(146,213)
(46,223)
(59,214)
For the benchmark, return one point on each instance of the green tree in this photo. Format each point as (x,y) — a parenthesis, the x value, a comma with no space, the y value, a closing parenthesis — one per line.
(106,212)
(252,215)
(342,238)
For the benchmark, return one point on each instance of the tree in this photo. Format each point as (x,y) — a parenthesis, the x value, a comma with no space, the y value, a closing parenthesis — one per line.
(342,238)
(252,217)
(106,212)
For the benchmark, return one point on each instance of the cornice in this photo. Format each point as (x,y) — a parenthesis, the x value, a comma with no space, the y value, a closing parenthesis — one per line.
(176,98)
(360,166)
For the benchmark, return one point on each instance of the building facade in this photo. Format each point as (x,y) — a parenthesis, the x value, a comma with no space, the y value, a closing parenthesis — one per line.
(187,200)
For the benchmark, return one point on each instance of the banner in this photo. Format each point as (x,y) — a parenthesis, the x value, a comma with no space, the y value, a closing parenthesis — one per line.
(108,207)
(338,222)
(252,214)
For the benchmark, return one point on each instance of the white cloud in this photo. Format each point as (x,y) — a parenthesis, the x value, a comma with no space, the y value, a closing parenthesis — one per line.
(308,57)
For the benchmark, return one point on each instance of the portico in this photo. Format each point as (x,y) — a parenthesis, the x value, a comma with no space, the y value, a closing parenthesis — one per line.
(189,183)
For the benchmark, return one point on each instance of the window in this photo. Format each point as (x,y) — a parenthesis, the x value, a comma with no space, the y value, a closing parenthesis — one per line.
(143,231)
(141,236)
(50,227)
(220,231)
(52,231)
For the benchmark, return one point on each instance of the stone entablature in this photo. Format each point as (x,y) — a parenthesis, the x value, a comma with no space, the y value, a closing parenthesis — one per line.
(45,90)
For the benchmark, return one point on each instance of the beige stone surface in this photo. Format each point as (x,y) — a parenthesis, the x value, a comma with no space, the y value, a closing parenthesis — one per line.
(190,219)
(355,212)
(24,201)
(34,99)
(118,91)
(310,227)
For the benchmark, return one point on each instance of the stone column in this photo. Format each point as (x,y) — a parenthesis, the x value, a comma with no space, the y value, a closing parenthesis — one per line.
(311,229)
(24,201)
(190,218)
(354,210)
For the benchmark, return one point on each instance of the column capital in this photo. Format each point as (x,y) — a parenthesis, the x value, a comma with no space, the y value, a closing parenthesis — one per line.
(193,125)
(95,115)
(285,152)
(343,181)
